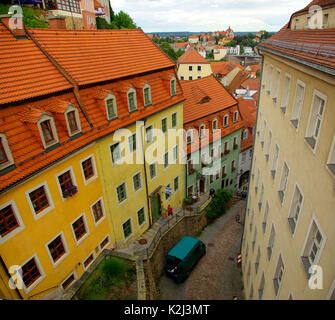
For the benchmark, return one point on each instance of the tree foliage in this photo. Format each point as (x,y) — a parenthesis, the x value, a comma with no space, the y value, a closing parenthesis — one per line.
(122,20)
(218,205)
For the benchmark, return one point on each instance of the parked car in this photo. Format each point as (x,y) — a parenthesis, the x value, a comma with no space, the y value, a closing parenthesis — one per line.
(183,257)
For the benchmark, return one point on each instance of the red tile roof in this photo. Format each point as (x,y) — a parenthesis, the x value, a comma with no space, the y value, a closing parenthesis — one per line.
(25,70)
(236,83)
(225,67)
(322,3)
(197,91)
(192,56)
(314,46)
(101,55)
(18,123)
(251,84)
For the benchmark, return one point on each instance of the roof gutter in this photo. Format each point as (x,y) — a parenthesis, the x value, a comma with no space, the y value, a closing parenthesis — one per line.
(303,62)
(65,75)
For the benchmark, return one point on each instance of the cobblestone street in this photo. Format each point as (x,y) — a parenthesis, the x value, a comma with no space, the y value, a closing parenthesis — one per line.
(217,275)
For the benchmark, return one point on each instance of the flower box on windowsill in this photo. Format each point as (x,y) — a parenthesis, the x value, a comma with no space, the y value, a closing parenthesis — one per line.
(69,191)
(224,175)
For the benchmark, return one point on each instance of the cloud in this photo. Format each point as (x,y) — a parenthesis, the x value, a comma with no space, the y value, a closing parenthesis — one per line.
(209,15)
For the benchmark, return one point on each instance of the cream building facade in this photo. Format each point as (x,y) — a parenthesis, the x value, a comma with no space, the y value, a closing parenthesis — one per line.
(287,246)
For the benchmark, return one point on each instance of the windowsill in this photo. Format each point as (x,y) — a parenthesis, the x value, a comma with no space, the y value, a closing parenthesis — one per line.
(267,157)
(274,100)
(273,173)
(292,224)
(283,109)
(295,123)
(311,142)
(281,195)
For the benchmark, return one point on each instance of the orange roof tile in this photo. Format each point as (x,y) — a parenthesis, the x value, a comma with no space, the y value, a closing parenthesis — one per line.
(313,46)
(251,84)
(196,90)
(248,110)
(91,56)
(25,70)
(17,122)
(192,56)
(224,67)
(236,83)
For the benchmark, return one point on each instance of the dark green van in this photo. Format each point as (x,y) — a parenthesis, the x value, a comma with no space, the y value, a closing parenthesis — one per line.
(183,257)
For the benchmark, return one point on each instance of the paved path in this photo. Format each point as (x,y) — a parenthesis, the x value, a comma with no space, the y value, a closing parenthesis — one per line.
(216,276)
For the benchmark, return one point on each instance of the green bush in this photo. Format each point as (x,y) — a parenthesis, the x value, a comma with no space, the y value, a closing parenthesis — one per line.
(188,200)
(218,205)
(114,268)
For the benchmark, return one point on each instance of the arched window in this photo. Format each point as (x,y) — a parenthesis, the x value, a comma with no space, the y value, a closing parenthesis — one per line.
(225,121)
(214,124)
(6,158)
(235,116)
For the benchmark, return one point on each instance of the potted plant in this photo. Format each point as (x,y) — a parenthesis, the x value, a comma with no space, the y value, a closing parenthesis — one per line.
(69,191)
(188,202)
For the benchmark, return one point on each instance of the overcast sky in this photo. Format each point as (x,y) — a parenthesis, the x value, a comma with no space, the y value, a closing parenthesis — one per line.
(209,15)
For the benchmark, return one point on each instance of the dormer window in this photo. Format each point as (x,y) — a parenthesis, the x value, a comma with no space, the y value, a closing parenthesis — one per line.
(132,103)
(147,95)
(225,121)
(48,131)
(6,158)
(173,86)
(111,109)
(235,116)
(72,120)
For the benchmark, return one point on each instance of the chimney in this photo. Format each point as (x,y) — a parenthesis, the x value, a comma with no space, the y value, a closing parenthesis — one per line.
(14,23)
(57,22)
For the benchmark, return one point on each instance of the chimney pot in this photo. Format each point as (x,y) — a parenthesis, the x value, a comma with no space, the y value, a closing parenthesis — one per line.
(14,23)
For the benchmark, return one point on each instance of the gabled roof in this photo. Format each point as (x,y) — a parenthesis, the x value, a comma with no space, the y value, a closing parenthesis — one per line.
(308,46)
(91,56)
(192,56)
(25,71)
(236,83)
(196,90)
(224,67)
(254,67)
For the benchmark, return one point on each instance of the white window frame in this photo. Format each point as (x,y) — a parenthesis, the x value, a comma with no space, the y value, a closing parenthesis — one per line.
(175,191)
(281,182)
(127,194)
(132,90)
(66,248)
(147,86)
(43,118)
(40,269)
(291,210)
(271,241)
(267,154)
(297,109)
(235,119)
(265,217)
(331,290)
(95,176)
(286,95)
(96,223)
(311,126)
(189,133)
(308,237)
(118,161)
(48,195)
(69,109)
(73,178)
(277,271)
(20,226)
(245,134)
(168,162)
(78,242)
(269,78)
(226,116)
(10,159)
(132,179)
(111,96)
(145,217)
(275,161)
(175,153)
(175,87)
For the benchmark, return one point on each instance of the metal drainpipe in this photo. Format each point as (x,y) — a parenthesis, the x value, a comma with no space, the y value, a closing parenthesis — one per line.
(145,175)
(9,276)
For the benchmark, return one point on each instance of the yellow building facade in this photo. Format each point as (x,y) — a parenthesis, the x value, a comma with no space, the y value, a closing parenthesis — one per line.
(287,249)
